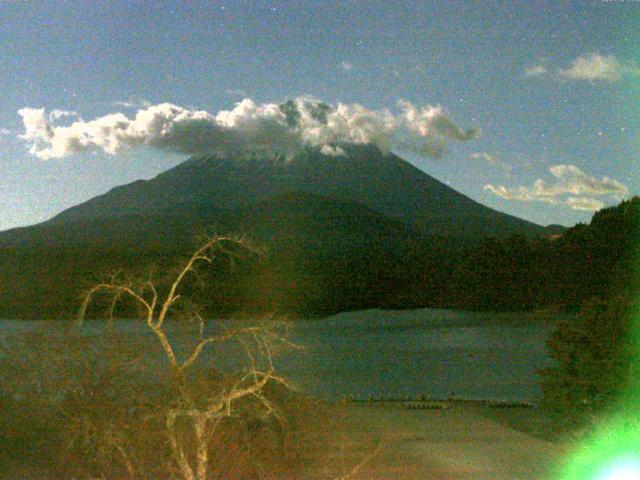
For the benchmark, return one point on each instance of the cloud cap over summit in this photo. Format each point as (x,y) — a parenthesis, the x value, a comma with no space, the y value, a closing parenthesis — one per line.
(248,129)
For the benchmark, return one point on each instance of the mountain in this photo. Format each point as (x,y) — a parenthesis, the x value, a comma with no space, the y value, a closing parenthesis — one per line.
(361,230)
(324,255)
(382,182)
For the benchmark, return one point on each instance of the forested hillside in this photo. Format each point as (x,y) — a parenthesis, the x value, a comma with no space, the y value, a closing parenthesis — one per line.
(324,255)
(595,259)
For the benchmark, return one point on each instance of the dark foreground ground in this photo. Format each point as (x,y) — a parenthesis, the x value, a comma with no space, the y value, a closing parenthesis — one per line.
(388,441)
(467,440)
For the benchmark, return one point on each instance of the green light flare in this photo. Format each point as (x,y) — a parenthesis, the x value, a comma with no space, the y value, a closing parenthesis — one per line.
(612,452)
(625,470)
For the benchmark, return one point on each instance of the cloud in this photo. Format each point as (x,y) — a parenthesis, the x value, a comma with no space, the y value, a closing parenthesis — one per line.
(492,160)
(430,129)
(236,92)
(575,181)
(346,66)
(5,132)
(57,114)
(248,129)
(132,104)
(572,187)
(535,71)
(594,67)
(584,203)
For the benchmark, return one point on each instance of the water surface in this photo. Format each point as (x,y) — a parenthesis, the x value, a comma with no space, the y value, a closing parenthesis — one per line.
(391,354)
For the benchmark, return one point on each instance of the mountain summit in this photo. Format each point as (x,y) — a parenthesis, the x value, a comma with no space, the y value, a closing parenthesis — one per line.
(360,174)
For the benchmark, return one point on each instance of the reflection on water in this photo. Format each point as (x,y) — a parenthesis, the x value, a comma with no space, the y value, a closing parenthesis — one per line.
(438,353)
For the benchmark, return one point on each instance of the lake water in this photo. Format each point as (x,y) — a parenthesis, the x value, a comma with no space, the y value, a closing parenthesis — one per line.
(392,354)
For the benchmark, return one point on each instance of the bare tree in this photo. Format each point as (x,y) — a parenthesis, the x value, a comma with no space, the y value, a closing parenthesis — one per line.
(193,417)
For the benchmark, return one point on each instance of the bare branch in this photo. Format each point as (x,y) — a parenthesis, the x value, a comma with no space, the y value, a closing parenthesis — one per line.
(196,352)
(154,299)
(213,339)
(362,463)
(116,289)
(199,255)
(191,411)
(178,452)
(114,301)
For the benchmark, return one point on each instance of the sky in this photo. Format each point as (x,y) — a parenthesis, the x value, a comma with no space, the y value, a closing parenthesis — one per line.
(531,108)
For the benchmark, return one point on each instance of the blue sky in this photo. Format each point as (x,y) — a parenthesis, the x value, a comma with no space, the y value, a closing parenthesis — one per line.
(553,88)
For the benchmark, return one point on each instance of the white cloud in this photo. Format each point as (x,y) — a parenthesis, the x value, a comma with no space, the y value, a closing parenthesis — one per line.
(528,194)
(236,92)
(584,203)
(572,187)
(595,67)
(346,66)
(573,180)
(132,104)
(523,194)
(430,129)
(247,129)
(535,71)
(57,114)
(492,160)
(5,132)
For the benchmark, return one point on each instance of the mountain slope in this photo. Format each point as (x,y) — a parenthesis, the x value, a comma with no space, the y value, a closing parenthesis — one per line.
(384,183)
(324,255)
(356,231)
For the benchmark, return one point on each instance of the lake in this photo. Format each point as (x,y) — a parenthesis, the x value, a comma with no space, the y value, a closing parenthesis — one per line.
(392,354)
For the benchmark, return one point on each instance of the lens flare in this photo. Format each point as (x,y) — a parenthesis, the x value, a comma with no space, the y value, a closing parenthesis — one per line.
(628,470)
(612,452)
